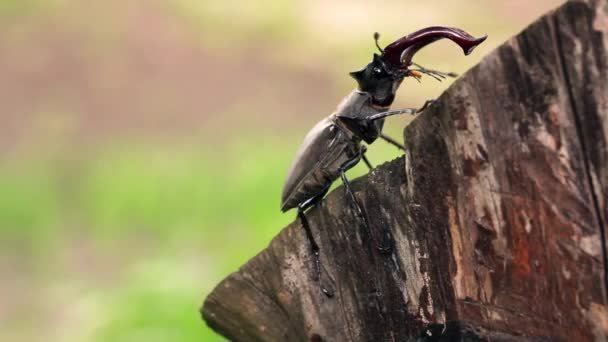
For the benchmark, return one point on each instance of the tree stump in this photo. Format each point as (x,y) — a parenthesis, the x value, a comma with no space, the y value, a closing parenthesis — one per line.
(495,217)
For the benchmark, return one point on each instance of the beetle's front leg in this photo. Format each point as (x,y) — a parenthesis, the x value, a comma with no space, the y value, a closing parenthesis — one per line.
(383,115)
(397,112)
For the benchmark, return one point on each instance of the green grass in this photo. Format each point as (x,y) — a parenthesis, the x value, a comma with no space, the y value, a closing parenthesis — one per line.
(163,225)
(183,220)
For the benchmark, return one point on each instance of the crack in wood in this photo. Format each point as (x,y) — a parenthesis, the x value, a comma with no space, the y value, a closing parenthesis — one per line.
(579,130)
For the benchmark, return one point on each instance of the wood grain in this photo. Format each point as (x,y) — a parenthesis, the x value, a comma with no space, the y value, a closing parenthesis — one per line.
(494,220)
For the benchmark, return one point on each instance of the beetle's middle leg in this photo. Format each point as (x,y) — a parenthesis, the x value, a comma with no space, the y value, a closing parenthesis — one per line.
(366,161)
(345,167)
(392,141)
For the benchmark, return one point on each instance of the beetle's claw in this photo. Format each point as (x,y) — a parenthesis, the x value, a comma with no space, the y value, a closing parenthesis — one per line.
(426,105)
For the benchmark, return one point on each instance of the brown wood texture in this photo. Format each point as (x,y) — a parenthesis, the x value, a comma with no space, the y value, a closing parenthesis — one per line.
(496,215)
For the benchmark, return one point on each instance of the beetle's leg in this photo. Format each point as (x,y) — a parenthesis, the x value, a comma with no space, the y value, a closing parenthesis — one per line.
(346,166)
(387,246)
(366,161)
(426,104)
(392,141)
(364,157)
(314,247)
(382,115)
(328,291)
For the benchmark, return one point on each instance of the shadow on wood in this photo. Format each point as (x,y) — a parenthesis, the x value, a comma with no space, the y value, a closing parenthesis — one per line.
(495,218)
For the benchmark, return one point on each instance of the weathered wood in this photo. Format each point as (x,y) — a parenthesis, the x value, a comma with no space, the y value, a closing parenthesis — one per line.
(496,216)
(524,228)
(583,36)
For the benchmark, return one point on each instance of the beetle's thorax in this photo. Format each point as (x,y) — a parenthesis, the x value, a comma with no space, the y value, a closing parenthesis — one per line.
(352,113)
(359,105)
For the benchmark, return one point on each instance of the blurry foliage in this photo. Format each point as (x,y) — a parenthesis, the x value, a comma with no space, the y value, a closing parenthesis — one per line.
(186,225)
(252,21)
(28,202)
(9,8)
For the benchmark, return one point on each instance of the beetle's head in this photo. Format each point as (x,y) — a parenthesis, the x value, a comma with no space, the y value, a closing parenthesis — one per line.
(378,79)
(382,77)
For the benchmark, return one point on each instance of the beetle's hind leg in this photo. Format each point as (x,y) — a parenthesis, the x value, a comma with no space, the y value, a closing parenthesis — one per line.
(314,247)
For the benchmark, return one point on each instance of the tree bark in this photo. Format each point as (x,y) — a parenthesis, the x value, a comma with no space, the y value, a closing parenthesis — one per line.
(492,227)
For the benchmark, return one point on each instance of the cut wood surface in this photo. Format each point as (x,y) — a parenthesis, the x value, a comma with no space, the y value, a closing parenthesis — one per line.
(495,217)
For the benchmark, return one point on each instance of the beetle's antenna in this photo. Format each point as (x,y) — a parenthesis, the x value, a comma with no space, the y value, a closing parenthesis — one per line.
(376,37)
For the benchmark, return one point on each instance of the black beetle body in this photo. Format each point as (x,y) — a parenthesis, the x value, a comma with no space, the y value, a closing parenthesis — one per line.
(334,145)
(330,144)
(336,140)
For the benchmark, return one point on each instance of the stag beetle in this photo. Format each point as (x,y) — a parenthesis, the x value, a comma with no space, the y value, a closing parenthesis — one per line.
(334,145)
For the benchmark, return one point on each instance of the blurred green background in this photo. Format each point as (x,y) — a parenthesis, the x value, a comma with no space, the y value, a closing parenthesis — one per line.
(144,143)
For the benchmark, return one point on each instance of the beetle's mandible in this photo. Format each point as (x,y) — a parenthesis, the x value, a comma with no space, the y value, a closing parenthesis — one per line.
(334,145)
